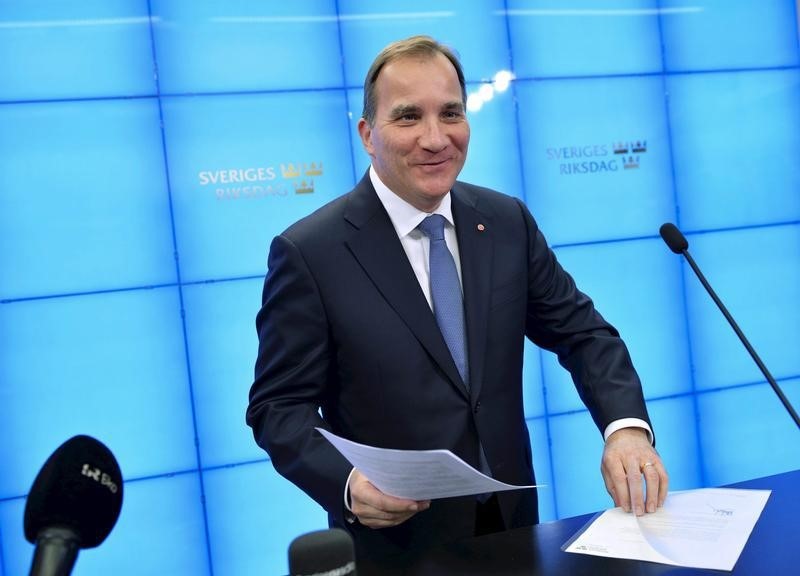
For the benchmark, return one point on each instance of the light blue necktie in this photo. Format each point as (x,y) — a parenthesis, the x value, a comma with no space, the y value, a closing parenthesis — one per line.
(448,305)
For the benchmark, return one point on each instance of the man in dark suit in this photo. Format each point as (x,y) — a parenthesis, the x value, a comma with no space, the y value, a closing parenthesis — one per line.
(350,338)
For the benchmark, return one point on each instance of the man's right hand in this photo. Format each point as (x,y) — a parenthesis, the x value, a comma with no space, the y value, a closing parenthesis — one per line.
(375,509)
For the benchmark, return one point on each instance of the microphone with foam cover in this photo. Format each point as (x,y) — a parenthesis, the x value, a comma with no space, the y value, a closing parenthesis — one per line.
(73,504)
(672,236)
(322,553)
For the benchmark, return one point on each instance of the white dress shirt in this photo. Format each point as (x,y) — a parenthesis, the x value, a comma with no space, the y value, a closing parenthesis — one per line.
(405,219)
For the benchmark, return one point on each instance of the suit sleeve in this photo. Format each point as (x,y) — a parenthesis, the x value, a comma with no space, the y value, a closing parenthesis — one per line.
(563,319)
(293,380)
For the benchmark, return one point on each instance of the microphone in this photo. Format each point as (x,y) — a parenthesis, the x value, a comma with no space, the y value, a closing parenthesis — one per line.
(74,503)
(322,553)
(677,243)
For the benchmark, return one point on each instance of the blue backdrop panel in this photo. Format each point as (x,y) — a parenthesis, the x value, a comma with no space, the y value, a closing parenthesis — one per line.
(756,274)
(84,203)
(220,330)
(635,286)
(241,45)
(355,107)
(577,447)
(736,146)
(556,38)
(254,513)
(728,34)
(540,449)
(477,31)
(596,146)
(791,388)
(746,433)
(108,365)
(95,48)
(254,165)
(12,538)
(492,160)
(161,530)
(532,390)
(675,424)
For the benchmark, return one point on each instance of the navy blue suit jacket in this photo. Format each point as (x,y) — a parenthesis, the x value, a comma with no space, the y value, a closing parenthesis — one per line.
(346,328)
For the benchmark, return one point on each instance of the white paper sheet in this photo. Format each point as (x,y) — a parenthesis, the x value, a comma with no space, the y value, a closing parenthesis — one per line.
(704,528)
(417,474)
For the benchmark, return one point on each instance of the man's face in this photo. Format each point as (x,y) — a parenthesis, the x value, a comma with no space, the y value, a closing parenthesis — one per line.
(418,141)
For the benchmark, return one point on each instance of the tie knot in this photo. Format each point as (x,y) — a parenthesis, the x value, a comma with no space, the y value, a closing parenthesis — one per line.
(433,227)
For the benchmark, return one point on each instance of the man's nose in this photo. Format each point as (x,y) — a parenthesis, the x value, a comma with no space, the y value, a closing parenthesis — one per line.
(433,136)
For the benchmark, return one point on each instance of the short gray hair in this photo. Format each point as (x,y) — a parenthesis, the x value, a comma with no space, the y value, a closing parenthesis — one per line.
(424,46)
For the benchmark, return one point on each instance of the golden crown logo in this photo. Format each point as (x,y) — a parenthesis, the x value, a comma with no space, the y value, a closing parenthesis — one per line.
(640,147)
(312,170)
(304,187)
(630,162)
(620,148)
(289,171)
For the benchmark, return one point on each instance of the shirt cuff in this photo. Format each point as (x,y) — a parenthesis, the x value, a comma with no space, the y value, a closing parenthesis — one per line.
(627,423)
(349,516)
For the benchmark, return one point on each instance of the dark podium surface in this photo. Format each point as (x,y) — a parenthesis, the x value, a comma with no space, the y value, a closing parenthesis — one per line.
(773,547)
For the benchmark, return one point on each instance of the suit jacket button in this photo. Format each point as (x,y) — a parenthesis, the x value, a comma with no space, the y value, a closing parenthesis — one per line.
(477,406)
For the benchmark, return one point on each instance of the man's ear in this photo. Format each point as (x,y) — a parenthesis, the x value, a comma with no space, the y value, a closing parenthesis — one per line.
(365,131)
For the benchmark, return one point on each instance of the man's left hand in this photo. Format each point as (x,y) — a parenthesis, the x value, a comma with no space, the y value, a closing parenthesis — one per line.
(627,457)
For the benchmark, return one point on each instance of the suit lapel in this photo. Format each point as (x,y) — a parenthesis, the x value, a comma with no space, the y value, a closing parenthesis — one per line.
(379,252)
(474,232)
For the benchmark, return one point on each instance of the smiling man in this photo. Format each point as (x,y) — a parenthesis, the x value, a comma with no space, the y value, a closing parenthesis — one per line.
(396,316)
(417,139)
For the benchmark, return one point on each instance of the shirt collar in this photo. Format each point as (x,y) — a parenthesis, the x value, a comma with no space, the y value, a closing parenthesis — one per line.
(405,217)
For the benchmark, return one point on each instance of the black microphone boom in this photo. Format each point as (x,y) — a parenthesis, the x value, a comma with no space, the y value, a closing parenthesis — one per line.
(677,243)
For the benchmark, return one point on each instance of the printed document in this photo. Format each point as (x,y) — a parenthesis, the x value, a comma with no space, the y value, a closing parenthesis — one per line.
(417,474)
(704,528)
